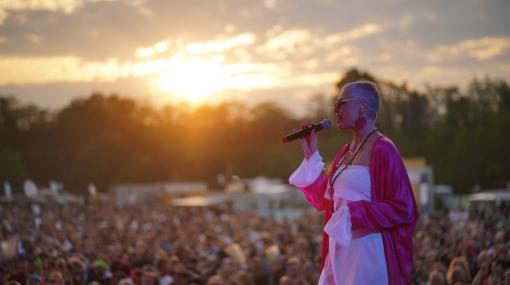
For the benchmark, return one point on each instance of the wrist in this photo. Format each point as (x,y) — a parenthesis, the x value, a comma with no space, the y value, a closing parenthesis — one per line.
(309,155)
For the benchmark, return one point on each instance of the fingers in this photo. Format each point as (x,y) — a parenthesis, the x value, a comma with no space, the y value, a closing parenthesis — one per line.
(303,126)
(308,142)
(313,144)
(304,143)
(310,137)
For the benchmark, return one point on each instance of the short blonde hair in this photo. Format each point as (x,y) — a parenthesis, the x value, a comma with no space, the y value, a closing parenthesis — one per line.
(367,91)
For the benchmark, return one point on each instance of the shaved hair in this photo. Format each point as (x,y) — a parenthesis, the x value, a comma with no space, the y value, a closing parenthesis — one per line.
(367,91)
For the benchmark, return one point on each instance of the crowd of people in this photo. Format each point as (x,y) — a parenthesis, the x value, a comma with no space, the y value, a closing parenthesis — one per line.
(463,247)
(99,243)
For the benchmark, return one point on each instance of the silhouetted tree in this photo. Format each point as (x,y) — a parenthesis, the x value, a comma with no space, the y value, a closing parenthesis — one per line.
(110,139)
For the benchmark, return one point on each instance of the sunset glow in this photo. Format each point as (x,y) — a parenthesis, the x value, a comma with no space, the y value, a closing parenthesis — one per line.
(247,51)
(192,80)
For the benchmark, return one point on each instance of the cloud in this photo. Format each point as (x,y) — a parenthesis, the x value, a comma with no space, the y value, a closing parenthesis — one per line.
(338,54)
(356,33)
(221,45)
(479,49)
(33,38)
(63,6)
(66,6)
(250,47)
(38,70)
(288,40)
(158,47)
(156,61)
(451,75)
(293,46)
(228,61)
(269,4)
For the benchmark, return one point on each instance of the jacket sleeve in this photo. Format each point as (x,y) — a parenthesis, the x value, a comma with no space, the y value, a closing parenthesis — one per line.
(394,203)
(314,193)
(309,179)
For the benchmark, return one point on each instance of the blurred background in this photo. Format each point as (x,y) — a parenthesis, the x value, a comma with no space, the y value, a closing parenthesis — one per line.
(140,139)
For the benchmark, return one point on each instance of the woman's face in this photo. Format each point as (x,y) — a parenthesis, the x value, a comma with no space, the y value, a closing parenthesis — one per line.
(346,110)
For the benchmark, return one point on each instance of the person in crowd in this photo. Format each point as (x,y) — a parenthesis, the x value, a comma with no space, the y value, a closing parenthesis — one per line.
(130,238)
(436,278)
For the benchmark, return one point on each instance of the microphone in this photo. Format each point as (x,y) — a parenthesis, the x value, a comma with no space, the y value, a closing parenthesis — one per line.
(324,124)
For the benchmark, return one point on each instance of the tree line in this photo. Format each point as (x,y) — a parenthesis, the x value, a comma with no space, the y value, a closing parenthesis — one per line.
(108,139)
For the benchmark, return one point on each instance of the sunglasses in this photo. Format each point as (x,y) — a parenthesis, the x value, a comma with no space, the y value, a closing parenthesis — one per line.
(341,102)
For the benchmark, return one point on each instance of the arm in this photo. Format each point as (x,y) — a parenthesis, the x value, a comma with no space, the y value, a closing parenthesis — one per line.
(314,193)
(394,204)
(308,178)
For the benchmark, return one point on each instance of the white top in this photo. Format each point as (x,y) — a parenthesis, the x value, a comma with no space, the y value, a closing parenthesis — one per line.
(350,261)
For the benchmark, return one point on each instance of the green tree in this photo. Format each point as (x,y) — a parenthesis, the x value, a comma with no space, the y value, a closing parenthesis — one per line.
(11,166)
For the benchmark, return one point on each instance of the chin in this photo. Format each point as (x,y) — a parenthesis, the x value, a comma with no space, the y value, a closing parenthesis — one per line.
(341,128)
(340,125)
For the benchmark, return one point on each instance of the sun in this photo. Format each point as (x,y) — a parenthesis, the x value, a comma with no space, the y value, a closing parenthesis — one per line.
(193,80)
(200,79)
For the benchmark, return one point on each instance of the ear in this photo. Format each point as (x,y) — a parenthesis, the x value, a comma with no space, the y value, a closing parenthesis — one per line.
(362,107)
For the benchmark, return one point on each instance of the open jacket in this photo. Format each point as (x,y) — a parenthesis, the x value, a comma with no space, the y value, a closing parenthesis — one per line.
(392,210)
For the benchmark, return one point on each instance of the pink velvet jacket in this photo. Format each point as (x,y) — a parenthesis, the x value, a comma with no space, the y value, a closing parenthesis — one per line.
(392,211)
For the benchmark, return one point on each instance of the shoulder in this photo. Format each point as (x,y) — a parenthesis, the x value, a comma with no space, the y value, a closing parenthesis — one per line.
(386,158)
(383,146)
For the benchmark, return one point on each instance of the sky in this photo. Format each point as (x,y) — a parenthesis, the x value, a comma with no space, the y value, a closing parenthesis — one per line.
(165,51)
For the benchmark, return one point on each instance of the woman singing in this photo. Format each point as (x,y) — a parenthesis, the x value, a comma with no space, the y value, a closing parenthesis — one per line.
(369,208)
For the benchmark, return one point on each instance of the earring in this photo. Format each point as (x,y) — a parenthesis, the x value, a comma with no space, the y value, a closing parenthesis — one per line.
(360,123)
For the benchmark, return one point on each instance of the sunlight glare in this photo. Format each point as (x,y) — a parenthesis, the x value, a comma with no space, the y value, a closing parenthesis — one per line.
(193,80)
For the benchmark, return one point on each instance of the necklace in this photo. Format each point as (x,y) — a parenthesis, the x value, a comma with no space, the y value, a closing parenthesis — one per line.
(352,149)
(332,181)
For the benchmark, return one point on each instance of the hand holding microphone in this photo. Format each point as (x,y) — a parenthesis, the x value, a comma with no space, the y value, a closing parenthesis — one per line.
(309,144)
(308,136)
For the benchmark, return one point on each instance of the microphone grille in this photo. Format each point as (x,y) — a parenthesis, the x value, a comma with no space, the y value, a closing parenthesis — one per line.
(326,124)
